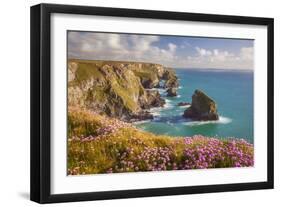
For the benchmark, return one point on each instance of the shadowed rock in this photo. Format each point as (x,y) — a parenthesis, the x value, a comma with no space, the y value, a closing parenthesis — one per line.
(143,115)
(153,99)
(171,79)
(172,92)
(183,104)
(202,108)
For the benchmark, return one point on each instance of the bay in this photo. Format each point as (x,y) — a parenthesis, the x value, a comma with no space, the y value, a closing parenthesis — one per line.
(231,89)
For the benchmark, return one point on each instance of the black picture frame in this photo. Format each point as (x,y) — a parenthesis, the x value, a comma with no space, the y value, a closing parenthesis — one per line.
(41,99)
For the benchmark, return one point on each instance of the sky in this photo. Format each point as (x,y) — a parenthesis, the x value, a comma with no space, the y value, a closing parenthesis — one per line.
(170,51)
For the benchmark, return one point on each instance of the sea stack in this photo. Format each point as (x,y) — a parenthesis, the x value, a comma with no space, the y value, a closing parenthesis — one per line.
(202,108)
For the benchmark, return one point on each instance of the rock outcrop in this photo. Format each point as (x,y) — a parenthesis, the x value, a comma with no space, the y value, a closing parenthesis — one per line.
(183,104)
(153,99)
(143,115)
(117,89)
(202,108)
(171,92)
(171,79)
(151,75)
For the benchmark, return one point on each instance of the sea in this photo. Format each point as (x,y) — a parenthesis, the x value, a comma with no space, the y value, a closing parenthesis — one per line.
(232,90)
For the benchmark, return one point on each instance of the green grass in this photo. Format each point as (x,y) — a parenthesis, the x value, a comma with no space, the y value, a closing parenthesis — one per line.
(80,123)
(86,71)
(99,156)
(146,74)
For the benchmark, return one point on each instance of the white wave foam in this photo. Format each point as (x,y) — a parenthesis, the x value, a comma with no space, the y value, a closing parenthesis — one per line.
(156,118)
(160,90)
(169,123)
(155,109)
(185,106)
(141,122)
(222,120)
(155,113)
(167,100)
(168,105)
(178,96)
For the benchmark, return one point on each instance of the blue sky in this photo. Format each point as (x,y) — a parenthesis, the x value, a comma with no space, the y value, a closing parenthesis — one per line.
(172,51)
(187,45)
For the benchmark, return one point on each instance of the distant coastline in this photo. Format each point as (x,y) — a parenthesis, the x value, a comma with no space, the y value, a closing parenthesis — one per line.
(218,69)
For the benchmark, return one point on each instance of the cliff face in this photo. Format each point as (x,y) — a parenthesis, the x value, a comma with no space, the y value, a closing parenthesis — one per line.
(171,80)
(118,89)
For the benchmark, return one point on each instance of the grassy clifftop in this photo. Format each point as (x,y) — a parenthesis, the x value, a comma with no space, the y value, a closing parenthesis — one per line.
(99,144)
(92,68)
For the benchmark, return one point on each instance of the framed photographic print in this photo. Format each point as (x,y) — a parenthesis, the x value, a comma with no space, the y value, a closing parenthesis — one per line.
(132,103)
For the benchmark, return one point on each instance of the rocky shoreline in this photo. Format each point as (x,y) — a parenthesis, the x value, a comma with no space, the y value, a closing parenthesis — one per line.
(121,90)
(128,90)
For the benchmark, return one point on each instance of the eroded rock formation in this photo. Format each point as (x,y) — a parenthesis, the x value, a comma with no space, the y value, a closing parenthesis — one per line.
(117,89)
(172,92)
(202,107)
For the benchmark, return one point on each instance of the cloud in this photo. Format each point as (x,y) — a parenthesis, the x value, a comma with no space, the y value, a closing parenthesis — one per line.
(172,47)
(106,46)
(203,52)
(142,42)
(185,44)
(215,58)
(247,53)
(149,48)
(114,41)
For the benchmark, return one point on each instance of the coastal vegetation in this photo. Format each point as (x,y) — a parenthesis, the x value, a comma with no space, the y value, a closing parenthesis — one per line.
(99,144)
(105,98)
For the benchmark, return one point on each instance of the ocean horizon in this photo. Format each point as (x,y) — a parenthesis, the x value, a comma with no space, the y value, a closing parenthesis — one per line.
(215,69)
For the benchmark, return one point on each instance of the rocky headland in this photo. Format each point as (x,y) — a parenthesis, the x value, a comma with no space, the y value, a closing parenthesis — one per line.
(122,90)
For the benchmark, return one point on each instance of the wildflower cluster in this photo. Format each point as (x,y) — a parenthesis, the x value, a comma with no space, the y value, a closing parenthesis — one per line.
(89,125)
(101,144)
(199,153)
(215,153)
(150,159)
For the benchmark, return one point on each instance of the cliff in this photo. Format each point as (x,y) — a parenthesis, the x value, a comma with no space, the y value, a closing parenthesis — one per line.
(117,89)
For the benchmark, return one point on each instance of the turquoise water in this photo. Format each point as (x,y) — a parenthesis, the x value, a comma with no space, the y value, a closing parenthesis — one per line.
(233,93)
